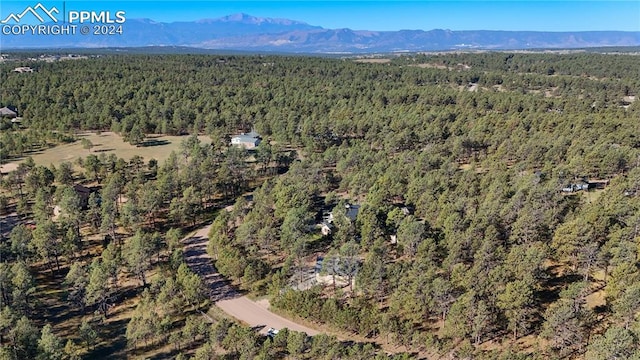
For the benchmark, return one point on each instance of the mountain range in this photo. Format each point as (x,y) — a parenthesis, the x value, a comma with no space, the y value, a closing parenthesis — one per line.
(249,33)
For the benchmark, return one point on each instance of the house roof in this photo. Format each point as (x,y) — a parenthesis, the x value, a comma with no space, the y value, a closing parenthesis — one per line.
(8,111)
(326,224)
(81,189)
(245,138)
(253,134)
(23,69)
(352,211)
(250,136)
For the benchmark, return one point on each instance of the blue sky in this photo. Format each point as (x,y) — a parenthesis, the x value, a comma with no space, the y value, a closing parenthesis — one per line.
(555,15)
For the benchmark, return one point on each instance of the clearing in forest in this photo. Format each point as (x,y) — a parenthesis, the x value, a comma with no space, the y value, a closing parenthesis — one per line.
(156,146)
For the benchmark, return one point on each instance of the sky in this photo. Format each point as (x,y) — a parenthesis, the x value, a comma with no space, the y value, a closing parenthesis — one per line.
(532,15)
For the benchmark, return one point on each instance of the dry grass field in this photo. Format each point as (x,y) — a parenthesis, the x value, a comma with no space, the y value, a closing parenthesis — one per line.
(374,61)
(159,147)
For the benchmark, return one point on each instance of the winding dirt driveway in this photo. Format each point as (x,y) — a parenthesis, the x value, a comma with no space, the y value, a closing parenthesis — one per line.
(224,296)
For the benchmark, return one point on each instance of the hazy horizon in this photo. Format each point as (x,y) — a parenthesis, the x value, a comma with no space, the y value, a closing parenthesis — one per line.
(548,16)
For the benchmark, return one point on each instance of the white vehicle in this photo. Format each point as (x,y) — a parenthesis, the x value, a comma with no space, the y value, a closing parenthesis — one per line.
(272,332)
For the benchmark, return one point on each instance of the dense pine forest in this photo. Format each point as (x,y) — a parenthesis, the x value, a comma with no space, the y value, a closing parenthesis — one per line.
(497,197)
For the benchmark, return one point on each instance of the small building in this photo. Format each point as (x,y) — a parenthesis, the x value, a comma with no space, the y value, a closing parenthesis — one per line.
(571,188)
(83,193)
(248,141)
(9,111)
(23,69)
(326,226)
(585,185)
(352,211)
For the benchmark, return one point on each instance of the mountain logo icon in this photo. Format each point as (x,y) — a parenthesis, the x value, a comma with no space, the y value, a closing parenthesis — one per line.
(39,11)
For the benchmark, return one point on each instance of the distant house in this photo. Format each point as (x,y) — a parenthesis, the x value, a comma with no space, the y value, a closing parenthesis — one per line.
(575,187)
(83,193)
(23,69)
(585,185)
(352,211)
(248,141)
(326,226)
(9,111)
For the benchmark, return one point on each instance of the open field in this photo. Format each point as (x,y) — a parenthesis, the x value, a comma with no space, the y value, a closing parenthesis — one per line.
(106,143)
(374,61)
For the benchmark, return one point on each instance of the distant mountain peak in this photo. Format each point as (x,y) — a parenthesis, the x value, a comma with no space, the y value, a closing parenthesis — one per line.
(246,32)
(243,18)
(146,21)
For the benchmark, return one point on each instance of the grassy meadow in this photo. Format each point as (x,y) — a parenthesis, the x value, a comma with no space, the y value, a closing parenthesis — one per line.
(158,147)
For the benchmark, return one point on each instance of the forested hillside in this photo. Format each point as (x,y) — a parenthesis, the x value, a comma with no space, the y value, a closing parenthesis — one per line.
(499,205)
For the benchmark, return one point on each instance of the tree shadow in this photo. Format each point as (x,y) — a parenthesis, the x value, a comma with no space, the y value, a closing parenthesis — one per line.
(154,142)
(115,342)
(258,328)
(217,286)
(555,283)
(7,223)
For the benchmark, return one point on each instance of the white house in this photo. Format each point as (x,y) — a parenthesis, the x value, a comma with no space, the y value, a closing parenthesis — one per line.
(23,69)
(248,141)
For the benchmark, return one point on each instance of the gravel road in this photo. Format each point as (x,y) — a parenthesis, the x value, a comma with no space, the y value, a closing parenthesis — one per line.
(222,293)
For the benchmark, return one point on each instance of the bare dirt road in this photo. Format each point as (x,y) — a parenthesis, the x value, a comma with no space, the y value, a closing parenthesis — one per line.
(196,257)
(222,293)
(257,316)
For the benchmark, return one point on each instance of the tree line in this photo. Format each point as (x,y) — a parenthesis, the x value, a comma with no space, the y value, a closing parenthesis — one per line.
(489,250)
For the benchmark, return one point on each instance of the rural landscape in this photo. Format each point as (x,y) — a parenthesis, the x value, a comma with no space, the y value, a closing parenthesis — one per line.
(456,205)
